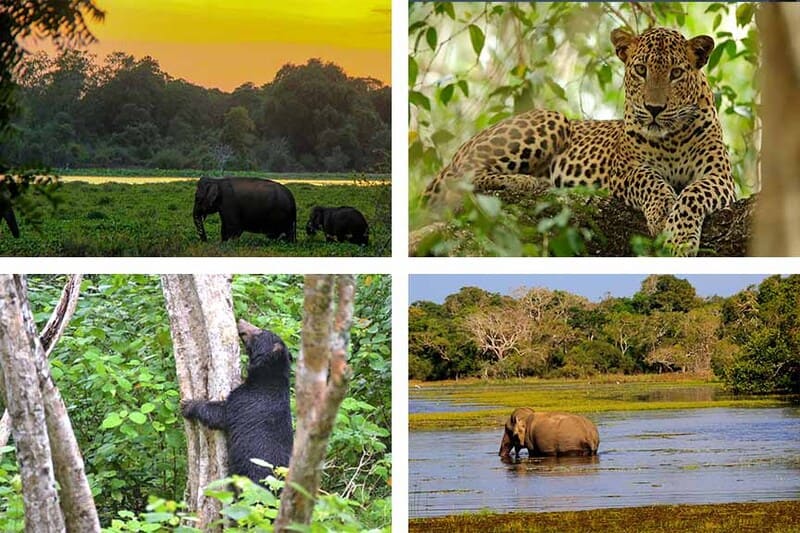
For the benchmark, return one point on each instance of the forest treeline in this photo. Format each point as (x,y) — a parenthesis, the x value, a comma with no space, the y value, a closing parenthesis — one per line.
(73,111)
(750,340)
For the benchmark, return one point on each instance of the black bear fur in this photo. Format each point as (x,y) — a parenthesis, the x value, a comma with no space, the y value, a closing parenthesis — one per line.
(255,417)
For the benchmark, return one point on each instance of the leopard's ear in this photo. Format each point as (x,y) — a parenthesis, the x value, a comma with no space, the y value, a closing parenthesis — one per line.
(699,49)
(622,41)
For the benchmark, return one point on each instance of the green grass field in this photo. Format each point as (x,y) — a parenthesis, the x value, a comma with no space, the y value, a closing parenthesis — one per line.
(155,219)
(739,517)
(600,394)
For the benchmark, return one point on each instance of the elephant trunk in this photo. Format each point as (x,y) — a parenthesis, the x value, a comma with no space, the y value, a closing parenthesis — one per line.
(199,217)
(505,445)
(12,222)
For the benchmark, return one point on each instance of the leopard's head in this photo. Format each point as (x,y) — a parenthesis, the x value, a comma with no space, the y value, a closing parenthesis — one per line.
(664,83)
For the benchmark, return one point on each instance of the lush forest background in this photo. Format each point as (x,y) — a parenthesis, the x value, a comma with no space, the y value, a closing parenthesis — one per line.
(76,111)
(472,64)
(750,340)
(115,369)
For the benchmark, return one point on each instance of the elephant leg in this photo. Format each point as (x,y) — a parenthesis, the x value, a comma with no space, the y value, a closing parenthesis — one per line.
(229,230)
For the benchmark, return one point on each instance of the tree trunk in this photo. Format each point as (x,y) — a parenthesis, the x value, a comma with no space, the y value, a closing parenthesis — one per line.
(49,336)
(777,221)
(76,501)
(321,382)
(205,342)
(25,406)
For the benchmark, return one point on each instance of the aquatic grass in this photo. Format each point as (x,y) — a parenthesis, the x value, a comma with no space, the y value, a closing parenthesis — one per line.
(585,397)
(740,517)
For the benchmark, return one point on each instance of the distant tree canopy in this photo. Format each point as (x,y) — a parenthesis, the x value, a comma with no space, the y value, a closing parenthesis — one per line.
(62,21)
(750,339)
(127,112)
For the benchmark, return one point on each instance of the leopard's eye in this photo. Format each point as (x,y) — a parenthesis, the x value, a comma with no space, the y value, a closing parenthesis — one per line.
(675,73)
(641,70)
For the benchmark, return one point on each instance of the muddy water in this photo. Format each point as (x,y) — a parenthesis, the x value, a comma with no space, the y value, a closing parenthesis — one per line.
(649,457)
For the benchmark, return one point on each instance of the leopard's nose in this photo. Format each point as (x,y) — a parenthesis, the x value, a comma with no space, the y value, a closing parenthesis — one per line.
(655,109)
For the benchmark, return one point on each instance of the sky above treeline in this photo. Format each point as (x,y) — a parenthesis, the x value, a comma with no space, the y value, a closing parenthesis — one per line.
(225,43)
(435,288)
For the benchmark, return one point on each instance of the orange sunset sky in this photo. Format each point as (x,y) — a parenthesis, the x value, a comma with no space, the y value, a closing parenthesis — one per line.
(224,43)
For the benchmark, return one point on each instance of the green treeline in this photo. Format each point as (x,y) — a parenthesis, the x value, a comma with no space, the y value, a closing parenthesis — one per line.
(75,112)
(750,340)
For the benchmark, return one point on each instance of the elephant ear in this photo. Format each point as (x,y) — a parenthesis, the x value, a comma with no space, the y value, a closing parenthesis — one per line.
(213,193)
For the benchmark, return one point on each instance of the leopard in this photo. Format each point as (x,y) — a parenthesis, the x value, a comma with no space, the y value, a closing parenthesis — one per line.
(666,157)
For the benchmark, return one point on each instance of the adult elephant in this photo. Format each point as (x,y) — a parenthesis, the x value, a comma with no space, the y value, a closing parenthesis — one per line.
(246,204)
(549,434)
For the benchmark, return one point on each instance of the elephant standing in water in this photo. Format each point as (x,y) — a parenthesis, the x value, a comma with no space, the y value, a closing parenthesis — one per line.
(548,434)
(246,204)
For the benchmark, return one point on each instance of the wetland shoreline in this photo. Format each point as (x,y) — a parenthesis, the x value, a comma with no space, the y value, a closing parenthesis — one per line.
(477,403)
(742,517)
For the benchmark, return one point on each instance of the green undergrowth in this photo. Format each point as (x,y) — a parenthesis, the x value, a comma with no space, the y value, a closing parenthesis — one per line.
(498,398)
(155,219)
(739,517)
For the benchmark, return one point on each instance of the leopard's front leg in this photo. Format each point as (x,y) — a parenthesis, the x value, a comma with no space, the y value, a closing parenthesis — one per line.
(644,189)
(699,198)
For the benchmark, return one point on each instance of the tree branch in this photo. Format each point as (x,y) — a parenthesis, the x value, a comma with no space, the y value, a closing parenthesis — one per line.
(725,233)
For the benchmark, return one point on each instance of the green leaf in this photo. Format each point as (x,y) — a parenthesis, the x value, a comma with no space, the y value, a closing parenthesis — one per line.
(446,94)
(464,86)
(477,38)
(556,88)
(440,137)
(730,47)
(713,59)
(415,26)
(419,99)
(744,13)
(112,420)
(147,407)
(237,511)
(604,75)
(137,418)
(519,71)
(490,205)
(448,8)
(431,38)
(413,71)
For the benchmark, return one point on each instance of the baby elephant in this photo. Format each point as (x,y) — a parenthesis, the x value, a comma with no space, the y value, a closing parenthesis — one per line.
(548,434)
(339,223)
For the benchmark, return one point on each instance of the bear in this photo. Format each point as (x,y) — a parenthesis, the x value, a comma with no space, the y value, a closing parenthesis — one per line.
(255,416)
